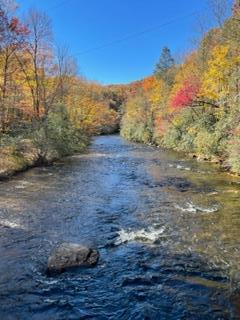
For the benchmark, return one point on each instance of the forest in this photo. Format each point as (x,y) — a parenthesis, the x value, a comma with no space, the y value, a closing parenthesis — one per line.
(46,109)
(193,106)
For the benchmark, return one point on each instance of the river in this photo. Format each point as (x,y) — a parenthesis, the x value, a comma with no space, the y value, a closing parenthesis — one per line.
(167,228)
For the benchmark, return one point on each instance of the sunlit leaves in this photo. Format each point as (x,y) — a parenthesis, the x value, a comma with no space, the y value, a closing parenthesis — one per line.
(186,95)
(216,78)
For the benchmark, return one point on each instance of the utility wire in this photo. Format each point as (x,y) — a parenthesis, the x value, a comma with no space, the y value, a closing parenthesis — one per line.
(136,34)
(127,37)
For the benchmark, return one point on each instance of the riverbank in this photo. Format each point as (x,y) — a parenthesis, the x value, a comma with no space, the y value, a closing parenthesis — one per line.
(12,162)
(223,164)
(220,162)
(24,155)
(45,140)
(17,158)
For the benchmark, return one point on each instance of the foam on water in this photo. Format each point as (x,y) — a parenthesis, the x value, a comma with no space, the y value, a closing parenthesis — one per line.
(22,185)
(183,168)
(149,235)
(190,207)
(10,224)
(214,193)
(180,167)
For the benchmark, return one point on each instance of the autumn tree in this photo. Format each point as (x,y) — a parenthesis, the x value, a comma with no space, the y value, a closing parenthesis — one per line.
(36,60)
(13,35)
(67,70)
(186,96)
(216,84)
(137,121)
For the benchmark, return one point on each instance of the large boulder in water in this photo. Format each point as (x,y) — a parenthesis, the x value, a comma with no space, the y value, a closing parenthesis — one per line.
(69,255)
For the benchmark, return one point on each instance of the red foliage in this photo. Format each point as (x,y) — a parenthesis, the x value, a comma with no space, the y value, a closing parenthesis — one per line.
(186,95)
(17,27)
(13,24)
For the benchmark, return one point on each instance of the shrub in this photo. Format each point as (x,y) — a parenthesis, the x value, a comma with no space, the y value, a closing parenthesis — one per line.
(56,132)
(234,152)
(206,144)
(136,123)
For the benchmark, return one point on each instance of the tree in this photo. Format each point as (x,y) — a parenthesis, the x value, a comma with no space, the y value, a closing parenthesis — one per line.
(236,9)
(36,60)
(165,65)
(186,95)
(186,83)
(67,69)
(216,80)
(13,35)
(220,10)
(137,120)
(231,28)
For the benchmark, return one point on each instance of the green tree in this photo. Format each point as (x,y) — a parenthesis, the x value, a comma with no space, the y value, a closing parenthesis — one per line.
(165,66)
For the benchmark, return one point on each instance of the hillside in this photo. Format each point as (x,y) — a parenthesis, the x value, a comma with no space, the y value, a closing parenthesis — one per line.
(193,106)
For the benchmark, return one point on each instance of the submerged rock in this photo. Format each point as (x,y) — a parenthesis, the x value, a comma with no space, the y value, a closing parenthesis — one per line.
(69,255)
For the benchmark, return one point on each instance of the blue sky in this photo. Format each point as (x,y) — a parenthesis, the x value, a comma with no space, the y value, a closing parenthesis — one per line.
(92,28)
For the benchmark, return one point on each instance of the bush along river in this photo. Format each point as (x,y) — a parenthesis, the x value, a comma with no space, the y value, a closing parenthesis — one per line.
(167,229)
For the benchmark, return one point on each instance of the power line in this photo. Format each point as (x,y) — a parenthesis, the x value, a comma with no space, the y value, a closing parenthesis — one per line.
(136,34)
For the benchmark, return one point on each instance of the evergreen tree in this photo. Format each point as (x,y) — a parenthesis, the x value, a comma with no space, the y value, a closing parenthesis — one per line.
(164,66)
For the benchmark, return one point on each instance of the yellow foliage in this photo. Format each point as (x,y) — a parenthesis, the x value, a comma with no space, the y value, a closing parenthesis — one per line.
(86,111)
(157,93)
(221,65)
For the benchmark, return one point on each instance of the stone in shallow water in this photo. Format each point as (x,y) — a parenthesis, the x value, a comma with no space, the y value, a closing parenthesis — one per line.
(69,255)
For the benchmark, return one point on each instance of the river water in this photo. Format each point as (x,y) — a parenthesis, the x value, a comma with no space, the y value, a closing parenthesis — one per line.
(167,228)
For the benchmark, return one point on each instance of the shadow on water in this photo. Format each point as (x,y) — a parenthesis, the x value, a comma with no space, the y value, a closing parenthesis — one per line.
(167,230)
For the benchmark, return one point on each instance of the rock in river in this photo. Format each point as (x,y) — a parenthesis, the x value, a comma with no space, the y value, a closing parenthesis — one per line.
(69,255)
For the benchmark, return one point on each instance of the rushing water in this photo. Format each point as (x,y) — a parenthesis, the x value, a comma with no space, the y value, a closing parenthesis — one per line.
(167,228)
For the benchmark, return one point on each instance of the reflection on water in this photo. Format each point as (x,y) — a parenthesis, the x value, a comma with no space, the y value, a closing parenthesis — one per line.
(167,230)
